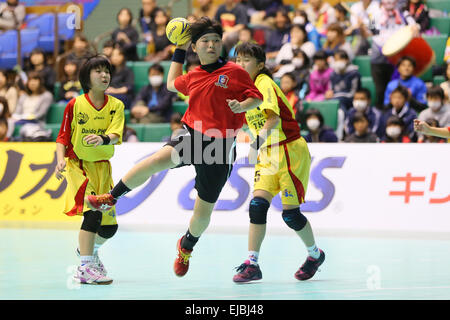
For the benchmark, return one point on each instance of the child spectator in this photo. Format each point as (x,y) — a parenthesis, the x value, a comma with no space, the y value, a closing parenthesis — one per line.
(336,41)
(33,105)
(318,132)
(446,85)
(299,64)
(301,18)
(429,138)
(399,107)
(125,35)
(362,131)
(108,47)
(70,85)
(80,49)
(289,87)
(129,134)
(6,125)
(298,41)
(416,86)
(319,80)
(395,131)
(153,103)
(437,109)
(345,80)
(38,63)
(159,47)
(361,103)
(122,79)
(8,90)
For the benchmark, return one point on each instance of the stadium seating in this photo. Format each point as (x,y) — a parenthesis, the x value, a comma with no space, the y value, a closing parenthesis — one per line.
(363,63)
(367,82)
(8,46)
(155,132)
(441,23)
(179,106)
(442,5)
(140,71)
(327,108)
(55,114)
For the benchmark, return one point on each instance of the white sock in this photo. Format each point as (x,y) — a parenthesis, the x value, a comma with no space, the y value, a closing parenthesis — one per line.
(313,251)
(96,247)
(86,259)
(253,257)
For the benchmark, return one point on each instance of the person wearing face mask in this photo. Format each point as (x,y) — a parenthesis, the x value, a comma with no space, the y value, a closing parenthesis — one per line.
(153,103)
(394,132)
(301,18)
(318,132)
(361,103)
(437,109)
(319,79)
(122,79)
(362,131)
(399,107)
(12,15)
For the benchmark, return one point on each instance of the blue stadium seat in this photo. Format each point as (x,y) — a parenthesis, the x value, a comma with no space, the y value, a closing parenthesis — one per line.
(8,49)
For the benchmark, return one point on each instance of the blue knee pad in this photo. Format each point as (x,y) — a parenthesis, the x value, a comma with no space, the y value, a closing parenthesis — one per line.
(258,210)
(294,219)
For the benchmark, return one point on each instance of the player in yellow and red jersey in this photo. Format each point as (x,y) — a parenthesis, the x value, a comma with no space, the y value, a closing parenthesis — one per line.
(282,165)
(92,124)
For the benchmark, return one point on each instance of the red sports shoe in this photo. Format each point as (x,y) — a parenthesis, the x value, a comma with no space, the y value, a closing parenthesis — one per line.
(103,202)
(181,265)
(309,268)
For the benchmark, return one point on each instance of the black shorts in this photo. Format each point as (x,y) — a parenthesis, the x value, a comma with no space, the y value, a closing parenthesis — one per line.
(212,158)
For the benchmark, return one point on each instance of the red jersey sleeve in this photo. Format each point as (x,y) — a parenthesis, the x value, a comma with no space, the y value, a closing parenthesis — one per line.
(65,129)
(249,88)
(181,84)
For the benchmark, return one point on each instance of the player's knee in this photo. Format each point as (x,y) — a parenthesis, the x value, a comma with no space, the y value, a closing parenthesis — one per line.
(107,231)
(294,219)
(91,221)
(258,210)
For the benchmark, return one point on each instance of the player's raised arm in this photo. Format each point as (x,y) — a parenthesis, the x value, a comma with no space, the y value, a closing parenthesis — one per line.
(176,67)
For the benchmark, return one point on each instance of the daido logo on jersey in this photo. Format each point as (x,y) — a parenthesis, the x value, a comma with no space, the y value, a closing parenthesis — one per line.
(222,81)
(243,188)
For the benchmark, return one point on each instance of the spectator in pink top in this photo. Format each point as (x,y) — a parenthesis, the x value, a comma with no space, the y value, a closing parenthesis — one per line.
(319,79)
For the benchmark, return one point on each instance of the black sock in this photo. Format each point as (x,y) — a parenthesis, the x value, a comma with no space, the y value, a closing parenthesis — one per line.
(119,190)
(188,242)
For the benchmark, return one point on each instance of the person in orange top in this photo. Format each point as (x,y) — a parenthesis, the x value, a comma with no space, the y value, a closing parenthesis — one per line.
(92,124)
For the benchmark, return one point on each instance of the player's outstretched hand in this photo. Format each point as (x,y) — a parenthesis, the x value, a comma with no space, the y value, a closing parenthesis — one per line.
(421,126)
(235,106)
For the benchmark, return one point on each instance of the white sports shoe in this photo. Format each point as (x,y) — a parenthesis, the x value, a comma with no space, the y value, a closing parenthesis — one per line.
(97,262)
(89,274)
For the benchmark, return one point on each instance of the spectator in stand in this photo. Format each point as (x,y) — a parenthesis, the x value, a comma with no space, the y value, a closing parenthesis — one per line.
(318,132)
(345,80)
(70,85)
(277,37)
(122,78)
(362,132)
(429,138)
(299,65)
(446,85)
(419,11)
(389,21)
(206,8)
(12,15)
(301,18)
(6,126)
(80,50)
(399,107)
(129,134)
(319,79)
(8,89)
(289,87)
(232,17)
(342,19)
(262,11)
(437,109)
(147,17)
(38,63)
(245,35)
(298,41)
(108,47)
(336,41)
(33,105)
(126,36)
(320,14)
(416,86)
(361,103)
(159,47)
(363,15)
(395,130)
(153,103)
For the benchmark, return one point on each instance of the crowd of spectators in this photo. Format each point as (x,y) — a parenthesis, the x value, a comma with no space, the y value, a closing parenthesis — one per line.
(310,49)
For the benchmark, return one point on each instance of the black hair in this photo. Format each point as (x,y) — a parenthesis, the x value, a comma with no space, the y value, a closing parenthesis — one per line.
(256,51)
(341,54)
(156,67)
(5,113)
(359,116)
(403,91)
(436,92)
(314,112)
(339,7)
(290,75)
(202,25)
(320,55)
(432,122)
(302,28)
(394,120)
(89,64)
(407,58)
(176,117)
(129,13)
(364,91)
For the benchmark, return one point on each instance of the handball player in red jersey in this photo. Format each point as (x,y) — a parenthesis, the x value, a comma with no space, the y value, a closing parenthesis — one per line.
(220,92)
